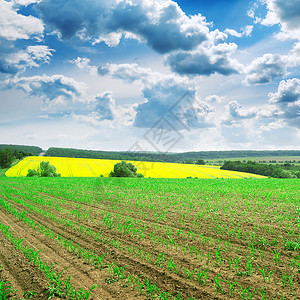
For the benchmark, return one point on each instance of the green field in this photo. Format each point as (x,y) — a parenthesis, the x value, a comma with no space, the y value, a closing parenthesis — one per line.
(151,238)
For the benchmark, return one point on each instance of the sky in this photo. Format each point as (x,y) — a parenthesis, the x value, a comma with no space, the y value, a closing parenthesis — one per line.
(150,75)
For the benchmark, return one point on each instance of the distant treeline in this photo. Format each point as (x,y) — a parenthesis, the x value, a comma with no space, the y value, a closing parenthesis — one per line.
(186,157)
(286,170)
(33,150)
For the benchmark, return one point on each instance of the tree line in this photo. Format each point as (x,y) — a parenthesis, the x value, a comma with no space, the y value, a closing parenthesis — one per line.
(7,157)
(186,157)
(286,170)
(34,150)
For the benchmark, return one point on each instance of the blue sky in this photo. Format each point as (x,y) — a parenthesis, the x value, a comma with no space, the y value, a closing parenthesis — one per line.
(157,75)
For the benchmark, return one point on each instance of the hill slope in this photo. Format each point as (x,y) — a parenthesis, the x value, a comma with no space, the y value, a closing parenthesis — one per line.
(80,167)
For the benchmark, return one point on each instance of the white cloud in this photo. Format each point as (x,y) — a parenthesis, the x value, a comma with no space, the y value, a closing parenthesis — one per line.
(159,23)
(212,56)
(233,32)
(235,113)
(111,39)
(55,88)
(24,2)
(246,31)
(273,125)
(269,67)
(265,69)
(83,63)
(103,111)
(15,26)
(287,101)
(286,14)
(33,56)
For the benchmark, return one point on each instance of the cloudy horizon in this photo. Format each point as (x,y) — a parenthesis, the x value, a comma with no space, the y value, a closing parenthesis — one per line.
(155,75)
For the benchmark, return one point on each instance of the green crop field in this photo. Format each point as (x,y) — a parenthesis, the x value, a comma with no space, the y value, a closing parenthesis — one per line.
(110,238)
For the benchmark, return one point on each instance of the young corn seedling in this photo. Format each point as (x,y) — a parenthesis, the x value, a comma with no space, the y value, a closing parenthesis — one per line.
(98,261)
(160,259)
(252,249)
(264,294)
(237,260)
(28,294)
(243,292)
(294,261)
(151,288)
(262,271)
(231,260)
(218,286)
(140,286)
(249,266)
(207,261)
(286,278)
(68,286)
(262,253)
(82,294)
(218,256)
(269,276)
(276,256)
(5,289)
(231,287)
(201,274)
(172,266)
(250,293)
(188,274)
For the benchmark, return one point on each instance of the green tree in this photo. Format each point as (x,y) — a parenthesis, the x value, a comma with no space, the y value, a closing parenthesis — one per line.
(200,162)
(45,169)
(6,158)
(123,169)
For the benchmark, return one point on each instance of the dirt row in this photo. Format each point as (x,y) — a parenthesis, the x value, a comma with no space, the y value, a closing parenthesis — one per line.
(84,275)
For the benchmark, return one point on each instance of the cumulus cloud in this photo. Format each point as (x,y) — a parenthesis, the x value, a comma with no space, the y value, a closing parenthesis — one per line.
(127,72)
(162,94)
(83,63)
(286,14)
(287,101)
(235,113)
(103,110)
(205,60)
(103,106)
(55,88)
(32,56)
(266,68)
(15,26)
(288,92)
(161,24)
(269,67)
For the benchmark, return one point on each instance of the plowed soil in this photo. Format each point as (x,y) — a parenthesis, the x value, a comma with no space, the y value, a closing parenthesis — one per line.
(106,211)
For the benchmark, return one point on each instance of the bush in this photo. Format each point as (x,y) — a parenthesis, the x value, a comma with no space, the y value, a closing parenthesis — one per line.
(200,162)
(123,169)
(32,173)
(44,170)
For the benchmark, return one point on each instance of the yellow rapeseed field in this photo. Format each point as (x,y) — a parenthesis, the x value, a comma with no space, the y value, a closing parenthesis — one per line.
(85,167)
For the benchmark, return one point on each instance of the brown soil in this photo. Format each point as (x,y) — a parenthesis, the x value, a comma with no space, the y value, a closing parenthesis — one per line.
(24,276)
